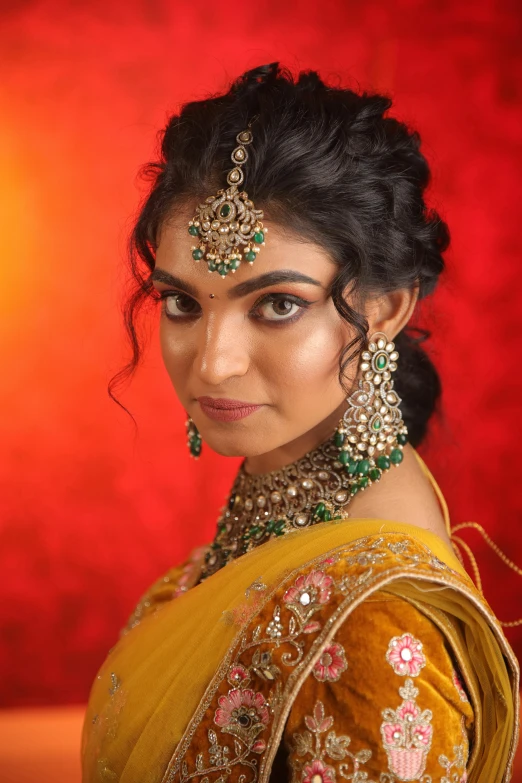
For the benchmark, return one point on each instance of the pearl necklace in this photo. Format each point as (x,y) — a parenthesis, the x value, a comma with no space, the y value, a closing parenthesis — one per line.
(315,488)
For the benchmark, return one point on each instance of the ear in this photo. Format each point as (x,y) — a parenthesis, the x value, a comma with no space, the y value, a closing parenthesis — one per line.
(390,312)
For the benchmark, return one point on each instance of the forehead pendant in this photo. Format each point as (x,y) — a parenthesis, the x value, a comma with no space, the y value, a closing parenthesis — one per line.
(227,226)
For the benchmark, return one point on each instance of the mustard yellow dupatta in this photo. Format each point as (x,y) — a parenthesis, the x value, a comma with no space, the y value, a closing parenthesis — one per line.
(152,711)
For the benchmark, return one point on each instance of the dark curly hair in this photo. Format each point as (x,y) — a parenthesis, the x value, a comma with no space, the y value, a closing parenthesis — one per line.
(328,164)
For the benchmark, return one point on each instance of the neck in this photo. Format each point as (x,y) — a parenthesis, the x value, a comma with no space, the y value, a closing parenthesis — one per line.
(295,449)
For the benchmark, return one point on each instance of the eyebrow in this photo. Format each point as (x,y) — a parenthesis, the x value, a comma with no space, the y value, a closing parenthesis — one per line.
(242,289)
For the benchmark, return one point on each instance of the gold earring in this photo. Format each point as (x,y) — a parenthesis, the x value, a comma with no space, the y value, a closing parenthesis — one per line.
(193,438)
(371,435)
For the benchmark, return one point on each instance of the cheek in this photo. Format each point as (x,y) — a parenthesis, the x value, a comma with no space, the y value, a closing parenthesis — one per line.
(177,355)
(304,360)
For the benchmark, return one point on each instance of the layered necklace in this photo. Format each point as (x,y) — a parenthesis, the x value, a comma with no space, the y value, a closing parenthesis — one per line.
(315,488)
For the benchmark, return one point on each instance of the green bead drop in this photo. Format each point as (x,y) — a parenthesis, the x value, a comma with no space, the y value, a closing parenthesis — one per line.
(339,439)
(197,254)
(351,468)
(354,489)
(344,458)
(327,516)
(250,256)
(234,263)
(402,439)
(363,467)
(363,482)
(396,456)
(319,510)
(222,269)
(375,474)
(193,231)
(383,462)
(259,237)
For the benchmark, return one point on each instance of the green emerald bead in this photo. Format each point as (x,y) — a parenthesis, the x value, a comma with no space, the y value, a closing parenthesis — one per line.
(222,269)
(327,516)
(225,210)
(193,231)
(234,263)
(351,467)
(339,439)
(255,530)
(375,474)
(344,458)
(396,456)
(197,254)
(259,237)
(383,462)
(250,256)
(280,527)
(270,526)
(363,467)
(319,510)
(402,439)
(363,482)
(381,362)
(354,489)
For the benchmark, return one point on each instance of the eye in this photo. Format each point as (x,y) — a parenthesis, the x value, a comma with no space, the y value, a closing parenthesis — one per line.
(179,305)
(280,307)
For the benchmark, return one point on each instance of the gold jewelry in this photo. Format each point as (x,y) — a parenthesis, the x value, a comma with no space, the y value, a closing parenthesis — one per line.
(228,222)
(313,489)
(372,424)
(319,486)
(193,438)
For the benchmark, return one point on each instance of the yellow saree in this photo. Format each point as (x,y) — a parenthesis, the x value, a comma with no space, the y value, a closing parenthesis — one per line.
(367,627)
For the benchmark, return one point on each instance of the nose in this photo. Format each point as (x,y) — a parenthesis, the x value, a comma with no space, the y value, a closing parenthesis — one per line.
(222,350)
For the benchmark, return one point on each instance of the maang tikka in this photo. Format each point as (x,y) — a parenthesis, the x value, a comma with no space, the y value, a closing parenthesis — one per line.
(228,225)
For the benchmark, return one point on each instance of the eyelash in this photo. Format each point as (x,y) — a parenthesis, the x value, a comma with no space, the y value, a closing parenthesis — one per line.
(266,299)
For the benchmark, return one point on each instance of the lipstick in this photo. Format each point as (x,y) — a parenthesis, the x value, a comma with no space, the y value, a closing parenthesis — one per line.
(226,409)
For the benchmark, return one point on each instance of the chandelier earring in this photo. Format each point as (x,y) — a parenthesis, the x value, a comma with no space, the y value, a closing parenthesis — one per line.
(371,435)
(193,438)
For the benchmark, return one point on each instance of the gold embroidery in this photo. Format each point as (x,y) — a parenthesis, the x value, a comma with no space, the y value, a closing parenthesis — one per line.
(317,769)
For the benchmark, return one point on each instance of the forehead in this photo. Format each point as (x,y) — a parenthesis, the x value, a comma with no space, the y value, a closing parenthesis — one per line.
(283,249)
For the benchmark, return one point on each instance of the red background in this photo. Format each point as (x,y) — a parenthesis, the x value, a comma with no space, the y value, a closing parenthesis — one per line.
(90,516)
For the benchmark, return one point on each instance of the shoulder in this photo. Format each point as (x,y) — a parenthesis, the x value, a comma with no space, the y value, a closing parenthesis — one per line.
(176,581)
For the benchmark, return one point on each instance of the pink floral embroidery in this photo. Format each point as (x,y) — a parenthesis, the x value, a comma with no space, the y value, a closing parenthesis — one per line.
(405,655)
(242,708)
(458,685)
(317,772)
(314,588)
(407,734)
(331,663)
(238,675)
(408,711)
(393,733)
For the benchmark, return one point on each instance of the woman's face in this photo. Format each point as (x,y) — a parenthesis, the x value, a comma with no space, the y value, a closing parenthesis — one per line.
(254,356)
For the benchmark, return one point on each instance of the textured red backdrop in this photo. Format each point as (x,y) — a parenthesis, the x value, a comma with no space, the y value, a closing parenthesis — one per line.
(89,516)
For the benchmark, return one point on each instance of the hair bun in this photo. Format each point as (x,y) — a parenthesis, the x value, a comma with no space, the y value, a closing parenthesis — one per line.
(249,81)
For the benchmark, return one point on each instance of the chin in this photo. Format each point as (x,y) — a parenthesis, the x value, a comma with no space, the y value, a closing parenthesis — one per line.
(238,446)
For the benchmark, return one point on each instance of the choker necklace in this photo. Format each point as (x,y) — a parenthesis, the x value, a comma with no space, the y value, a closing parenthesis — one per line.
(315,488)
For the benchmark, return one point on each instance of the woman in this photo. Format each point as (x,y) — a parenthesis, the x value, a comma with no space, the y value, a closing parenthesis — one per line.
(328,631)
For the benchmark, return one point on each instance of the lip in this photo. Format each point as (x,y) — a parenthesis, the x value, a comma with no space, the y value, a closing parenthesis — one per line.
(226,409)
